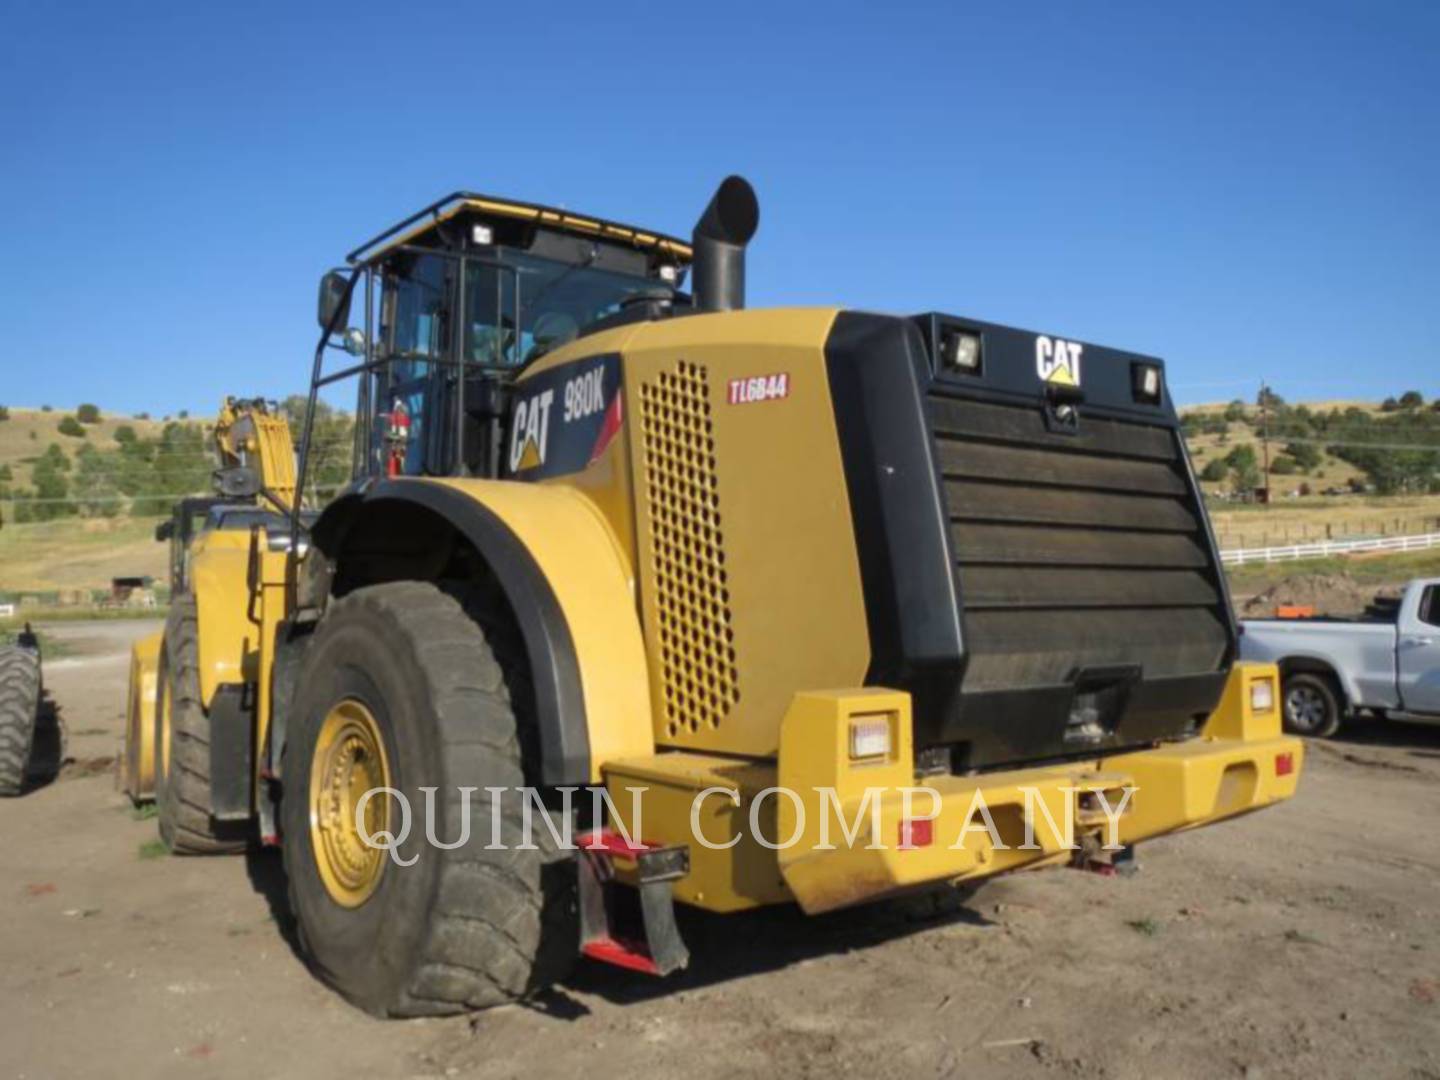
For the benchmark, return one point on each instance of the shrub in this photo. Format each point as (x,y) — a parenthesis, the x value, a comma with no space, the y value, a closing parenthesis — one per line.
(1283,465)
(1412,399)
(88,414)
(4,412)
(125,434)
(70,426)
(1305,455)
(46,408)
(1215,471)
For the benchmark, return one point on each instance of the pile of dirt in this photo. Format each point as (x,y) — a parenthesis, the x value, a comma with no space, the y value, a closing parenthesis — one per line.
(1328,594)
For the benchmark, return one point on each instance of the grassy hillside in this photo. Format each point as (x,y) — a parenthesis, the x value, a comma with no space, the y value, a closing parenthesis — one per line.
(1205,446)
(28,432)
(78,553)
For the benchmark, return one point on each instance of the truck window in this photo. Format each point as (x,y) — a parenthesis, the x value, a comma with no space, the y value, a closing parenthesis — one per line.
(1430,606)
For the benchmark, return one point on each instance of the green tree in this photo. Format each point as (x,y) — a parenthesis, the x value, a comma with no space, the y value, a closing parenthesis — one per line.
(1412,399)
(330,443)
(1283,465)
(1305,455)
(1389,405)
(88,414)
(94,489)
(1244,468)
(1235,411)
(182,463)
(125,434)
(1215,471)
(4,412)
(52,488)
(1268,398)
(70,426)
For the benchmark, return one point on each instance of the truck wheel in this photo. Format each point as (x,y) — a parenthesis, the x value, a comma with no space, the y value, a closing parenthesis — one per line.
(19,708)
(400,688)
(182,746)
(1312,705)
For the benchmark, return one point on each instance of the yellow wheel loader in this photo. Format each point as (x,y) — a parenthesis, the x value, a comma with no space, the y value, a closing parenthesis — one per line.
(641,597)
(204,534)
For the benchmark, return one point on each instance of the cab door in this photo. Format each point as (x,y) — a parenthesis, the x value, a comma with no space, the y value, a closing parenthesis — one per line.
(1418,651)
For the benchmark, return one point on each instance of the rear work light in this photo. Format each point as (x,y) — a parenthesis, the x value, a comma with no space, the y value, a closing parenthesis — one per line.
(869,737)
(1145,383)
(960,351)
(1262,695)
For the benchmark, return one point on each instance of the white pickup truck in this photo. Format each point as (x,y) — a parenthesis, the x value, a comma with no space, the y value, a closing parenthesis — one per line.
(1386,663)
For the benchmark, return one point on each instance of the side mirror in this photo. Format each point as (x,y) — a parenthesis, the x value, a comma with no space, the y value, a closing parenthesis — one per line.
(164,531)
(333,294)
(239,482)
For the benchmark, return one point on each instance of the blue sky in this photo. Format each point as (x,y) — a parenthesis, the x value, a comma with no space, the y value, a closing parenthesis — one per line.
(1247,189)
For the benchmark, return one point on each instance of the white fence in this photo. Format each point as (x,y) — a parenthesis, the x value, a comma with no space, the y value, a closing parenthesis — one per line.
(1320,548)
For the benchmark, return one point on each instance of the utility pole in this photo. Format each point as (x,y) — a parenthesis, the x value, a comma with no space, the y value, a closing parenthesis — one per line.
(1265,442)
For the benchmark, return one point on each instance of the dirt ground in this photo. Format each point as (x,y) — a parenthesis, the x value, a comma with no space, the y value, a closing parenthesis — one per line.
(1329,594)
(1301,941)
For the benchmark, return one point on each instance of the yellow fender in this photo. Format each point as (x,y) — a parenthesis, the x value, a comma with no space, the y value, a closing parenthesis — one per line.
(565,577)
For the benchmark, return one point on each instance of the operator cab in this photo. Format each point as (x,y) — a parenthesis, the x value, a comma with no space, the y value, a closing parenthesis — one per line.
(460,297)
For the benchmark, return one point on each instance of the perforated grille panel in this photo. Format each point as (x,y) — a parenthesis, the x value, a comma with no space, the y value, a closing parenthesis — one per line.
(691,601)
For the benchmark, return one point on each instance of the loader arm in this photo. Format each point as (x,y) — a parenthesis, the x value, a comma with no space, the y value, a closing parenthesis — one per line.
(253,434)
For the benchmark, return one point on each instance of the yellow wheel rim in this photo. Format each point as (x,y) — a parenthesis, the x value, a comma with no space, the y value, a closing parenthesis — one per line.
(349,761)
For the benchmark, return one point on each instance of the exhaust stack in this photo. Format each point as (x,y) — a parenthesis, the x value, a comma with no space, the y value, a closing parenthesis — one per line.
(719,240)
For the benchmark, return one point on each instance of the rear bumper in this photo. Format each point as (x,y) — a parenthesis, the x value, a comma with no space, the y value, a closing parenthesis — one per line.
(1043,816)
(828,833)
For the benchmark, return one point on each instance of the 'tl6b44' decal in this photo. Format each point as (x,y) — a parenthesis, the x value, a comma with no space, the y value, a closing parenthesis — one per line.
(758,388)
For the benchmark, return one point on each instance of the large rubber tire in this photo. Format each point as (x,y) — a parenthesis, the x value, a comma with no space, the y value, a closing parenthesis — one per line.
(462,929)
(182,784)
(1310,705)
(19,710)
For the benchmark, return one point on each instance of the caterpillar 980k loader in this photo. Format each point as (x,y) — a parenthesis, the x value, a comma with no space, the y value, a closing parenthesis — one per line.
(748,572)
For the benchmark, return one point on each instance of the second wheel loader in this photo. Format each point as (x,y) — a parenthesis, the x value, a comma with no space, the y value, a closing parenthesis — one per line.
(207,535)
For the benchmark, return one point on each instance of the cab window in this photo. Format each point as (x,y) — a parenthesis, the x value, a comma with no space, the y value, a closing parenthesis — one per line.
(1430,606)
(416,335)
